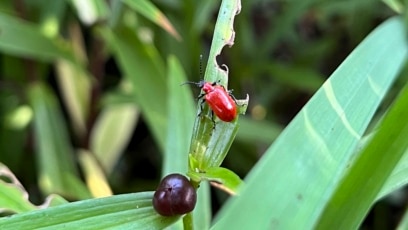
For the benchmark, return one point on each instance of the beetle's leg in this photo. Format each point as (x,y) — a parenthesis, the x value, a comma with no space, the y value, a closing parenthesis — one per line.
(201,107)
(232,96)
(212,119)
(201,96)
(202,102)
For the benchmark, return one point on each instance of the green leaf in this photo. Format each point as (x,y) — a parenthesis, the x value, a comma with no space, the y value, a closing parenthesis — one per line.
(202,214)
(145,70)
(227,179)
(397,179)
(202,15)
(148,10)
(112,132)
(51,17)
(94,175)
(128,211)
(396,5)
(91,11)
(210,146)
(300,172)
(13,197)
(180,109)
(75,87)
(54,200)
(15,121)
(296,77)
(285,27)
(403,224)
(253,131)
(363,181)
(24,39)
(55,155)
(223,35)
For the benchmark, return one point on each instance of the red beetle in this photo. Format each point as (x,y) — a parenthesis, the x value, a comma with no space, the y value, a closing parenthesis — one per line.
(221,101)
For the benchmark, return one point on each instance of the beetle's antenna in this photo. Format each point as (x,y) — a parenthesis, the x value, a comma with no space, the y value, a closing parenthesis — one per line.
(201,82)
(190,82)
(201,67)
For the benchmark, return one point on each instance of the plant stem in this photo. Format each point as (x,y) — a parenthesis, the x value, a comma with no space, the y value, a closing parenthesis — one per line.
(188,221)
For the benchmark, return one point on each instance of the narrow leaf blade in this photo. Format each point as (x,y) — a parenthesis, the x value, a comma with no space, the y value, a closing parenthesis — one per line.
(128,211)
(363,181)
(57,169)
(300,171)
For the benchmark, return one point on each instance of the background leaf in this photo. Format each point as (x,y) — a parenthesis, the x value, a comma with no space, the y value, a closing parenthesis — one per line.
(180,108)
(112,132)
(57,171)
(144,68)
(91,11)
(147,9)
(75,82)
(94,175)
(14,40)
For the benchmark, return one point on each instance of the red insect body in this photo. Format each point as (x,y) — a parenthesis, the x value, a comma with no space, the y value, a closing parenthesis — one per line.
(219,101)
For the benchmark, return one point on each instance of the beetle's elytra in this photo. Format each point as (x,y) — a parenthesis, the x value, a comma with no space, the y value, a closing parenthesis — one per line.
(218,99)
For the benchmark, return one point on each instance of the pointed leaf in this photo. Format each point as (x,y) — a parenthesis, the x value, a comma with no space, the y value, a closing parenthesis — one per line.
(147,9)
(298,174)
(359,188)
(57,169)
(128,211)
(144,68)
(94,176)
(91,11)
(21,38)
(112,132)
(13,197)
(227,180)
(180,120)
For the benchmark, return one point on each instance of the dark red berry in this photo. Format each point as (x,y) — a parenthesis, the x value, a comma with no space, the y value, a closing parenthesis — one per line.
(174,196)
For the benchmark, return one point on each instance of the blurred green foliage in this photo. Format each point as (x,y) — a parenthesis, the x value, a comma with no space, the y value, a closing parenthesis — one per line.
(85,85)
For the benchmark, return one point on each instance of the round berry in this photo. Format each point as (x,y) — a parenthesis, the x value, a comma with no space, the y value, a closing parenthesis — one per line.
(175,195)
